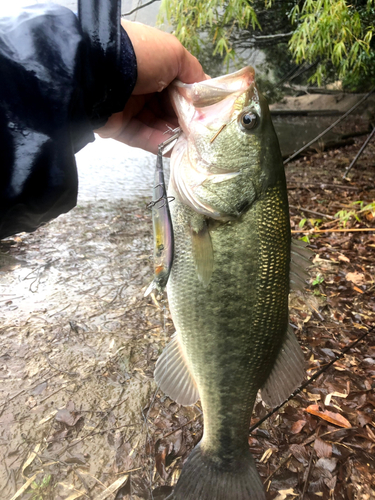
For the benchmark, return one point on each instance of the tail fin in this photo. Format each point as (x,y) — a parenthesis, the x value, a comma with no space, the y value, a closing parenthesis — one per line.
(201,479)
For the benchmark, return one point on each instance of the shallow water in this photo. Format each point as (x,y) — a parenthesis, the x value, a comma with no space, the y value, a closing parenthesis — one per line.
(108,169)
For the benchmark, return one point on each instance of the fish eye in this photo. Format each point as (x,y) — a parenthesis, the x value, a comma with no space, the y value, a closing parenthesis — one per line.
(249,120)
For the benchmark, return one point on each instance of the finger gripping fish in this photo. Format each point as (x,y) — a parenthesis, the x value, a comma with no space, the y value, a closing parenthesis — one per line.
(229,283)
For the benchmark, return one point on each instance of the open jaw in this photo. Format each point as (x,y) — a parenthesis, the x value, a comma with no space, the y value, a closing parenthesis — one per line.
(211,100)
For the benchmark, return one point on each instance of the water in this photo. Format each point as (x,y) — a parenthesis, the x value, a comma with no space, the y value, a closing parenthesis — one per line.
(108,169)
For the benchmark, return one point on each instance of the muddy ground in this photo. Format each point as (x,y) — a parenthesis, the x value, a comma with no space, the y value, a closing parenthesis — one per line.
(80,415)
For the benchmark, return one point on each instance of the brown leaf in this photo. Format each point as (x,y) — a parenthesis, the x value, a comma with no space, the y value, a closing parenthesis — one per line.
(363,419)
(327,464)
(160,456)
(329,416)
(300,453)
(343,258)
(67,417)
(298,426)
(356,278)
(322,449)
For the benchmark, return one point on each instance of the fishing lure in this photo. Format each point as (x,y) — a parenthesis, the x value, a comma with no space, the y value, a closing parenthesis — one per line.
(162,223)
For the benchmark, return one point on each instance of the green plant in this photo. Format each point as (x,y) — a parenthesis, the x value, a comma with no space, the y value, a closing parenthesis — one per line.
(345,215)
(313,222)
(42,489)
(194,20)
(334,31)
(318,280)
(334,36)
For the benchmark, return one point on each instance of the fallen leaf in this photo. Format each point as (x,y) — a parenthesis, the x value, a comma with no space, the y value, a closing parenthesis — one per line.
(300,453)
(363,419)
(67,417)
(283,494)
(327,400)
(298,426)
(25,486)
(329,416)
(343,258)
(112,488)
(356,278)
(327,463)
(322,449)
(266,455)
(48,417)
(76,494)
(30,458)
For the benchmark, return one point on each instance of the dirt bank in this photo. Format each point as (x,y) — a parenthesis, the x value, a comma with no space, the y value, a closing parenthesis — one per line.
(80,416)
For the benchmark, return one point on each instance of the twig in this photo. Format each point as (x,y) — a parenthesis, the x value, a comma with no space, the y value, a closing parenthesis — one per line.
(347,230)
(323,185)
(277,468)
(311,379)
(307,475)
(52,394)
(71,445)
(182,426)
(359,154)
(329,128)
(139,8)
(26,390)
(127,471)
(311,212)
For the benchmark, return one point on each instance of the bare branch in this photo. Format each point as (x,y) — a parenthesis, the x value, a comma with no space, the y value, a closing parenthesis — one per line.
(278,35)
(139,8)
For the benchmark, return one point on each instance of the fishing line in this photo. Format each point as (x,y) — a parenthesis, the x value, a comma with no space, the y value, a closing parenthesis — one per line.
(311,379)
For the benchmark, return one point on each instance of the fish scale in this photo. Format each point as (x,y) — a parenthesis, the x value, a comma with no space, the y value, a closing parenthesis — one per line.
(223,333)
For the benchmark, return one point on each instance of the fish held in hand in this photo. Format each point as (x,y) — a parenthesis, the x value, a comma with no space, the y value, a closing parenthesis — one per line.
(229,283)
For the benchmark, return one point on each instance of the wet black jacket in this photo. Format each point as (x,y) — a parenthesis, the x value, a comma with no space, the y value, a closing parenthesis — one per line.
(61,76)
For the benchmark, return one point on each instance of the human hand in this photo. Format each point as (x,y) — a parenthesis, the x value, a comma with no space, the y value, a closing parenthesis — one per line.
(160,59)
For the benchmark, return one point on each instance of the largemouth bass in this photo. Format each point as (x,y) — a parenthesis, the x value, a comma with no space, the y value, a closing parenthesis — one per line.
(229,283)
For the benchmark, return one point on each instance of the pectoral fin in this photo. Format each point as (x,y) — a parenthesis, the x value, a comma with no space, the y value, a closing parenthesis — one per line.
(173,376)
(203,253)
(287,372)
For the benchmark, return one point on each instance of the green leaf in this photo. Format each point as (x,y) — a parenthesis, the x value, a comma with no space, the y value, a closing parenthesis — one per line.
(318,280)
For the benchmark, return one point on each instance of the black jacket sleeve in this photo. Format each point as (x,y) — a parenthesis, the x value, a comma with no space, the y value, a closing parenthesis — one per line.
(59,80)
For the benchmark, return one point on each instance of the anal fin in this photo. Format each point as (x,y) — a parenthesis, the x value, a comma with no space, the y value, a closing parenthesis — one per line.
(173,376)
(287,372)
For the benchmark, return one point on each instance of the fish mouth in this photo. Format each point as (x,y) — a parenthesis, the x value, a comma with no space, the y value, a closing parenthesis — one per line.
(194,101)
(208,92)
